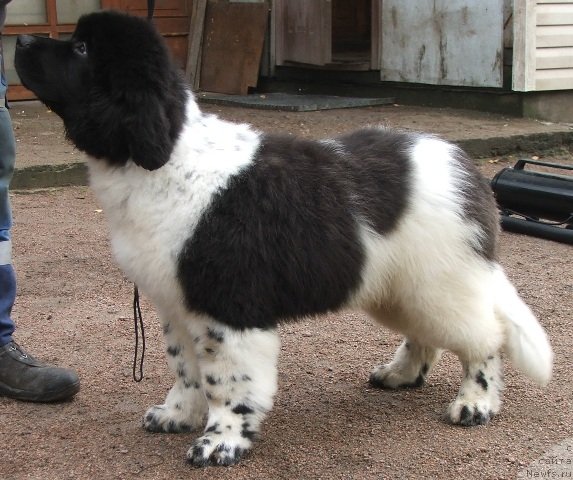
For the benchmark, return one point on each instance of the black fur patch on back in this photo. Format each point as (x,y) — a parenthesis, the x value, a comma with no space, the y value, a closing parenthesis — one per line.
(479,206)
(379,168)
(282,240)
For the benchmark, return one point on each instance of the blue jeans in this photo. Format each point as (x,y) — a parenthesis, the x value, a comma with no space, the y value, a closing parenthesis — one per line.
(7,275)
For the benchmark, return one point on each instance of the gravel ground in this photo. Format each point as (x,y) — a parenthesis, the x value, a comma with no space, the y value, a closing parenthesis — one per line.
(74,309)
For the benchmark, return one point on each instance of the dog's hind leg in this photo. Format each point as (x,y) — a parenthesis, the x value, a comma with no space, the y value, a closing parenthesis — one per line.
(479,398)
(185,406)
(408,369)
(239,375)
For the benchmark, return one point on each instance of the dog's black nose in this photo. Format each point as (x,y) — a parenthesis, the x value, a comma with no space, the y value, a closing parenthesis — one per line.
(24,41)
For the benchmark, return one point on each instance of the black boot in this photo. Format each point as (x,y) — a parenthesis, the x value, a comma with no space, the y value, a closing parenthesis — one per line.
(22,377)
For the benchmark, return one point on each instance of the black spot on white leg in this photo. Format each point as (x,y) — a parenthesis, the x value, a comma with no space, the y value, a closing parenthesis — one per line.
(191,384)
(408,369)
(174,350)
(478,399)
(181,371)
(471,417)
(214,428)
(480,379)
(166,328)
(247,433)
(238,389)
(159,420)
(420,379)
(242,409)
(211,380)
(229,443)
(216,335)
(202,454)
(185,406)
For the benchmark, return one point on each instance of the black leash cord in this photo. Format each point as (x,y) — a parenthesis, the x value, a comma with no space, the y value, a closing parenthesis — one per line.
(150,9)
(137,317)
(138,324)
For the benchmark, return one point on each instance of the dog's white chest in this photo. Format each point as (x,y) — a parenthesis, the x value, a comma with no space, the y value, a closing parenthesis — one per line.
(152,214)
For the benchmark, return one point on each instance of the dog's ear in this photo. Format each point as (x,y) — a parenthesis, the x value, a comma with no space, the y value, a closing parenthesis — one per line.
(148,132)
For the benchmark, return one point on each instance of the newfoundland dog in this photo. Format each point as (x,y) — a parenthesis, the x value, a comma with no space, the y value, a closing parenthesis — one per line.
(231,231)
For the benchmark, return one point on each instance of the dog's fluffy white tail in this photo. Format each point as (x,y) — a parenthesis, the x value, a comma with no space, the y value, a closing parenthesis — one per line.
(526,342)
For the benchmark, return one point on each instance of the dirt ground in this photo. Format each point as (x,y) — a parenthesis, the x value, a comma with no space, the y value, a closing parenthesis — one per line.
(74,309)
(40,136)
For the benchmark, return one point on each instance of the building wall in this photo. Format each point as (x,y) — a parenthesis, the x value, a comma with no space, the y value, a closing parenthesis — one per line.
(443,42)
(543,51)
(57,19)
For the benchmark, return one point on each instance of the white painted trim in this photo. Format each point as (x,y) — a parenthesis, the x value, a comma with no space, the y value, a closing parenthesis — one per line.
(524,45)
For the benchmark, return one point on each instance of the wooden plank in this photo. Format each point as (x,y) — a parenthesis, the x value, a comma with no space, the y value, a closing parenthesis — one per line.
(277,31)
(162,7)
(375,36)
(52,13)
(232,52)
(170,26)
(193,66)
(304,31)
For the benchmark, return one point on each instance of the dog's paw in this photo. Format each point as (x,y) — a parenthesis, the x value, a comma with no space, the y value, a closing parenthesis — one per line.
(471,414)
(167,419)
(387,377)
(218,449)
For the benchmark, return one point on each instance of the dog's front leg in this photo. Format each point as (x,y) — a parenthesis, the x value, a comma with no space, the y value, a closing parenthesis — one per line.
(185,406)
(239,376)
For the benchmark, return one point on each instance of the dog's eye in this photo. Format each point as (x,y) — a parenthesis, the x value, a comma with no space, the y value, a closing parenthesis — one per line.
(80,48)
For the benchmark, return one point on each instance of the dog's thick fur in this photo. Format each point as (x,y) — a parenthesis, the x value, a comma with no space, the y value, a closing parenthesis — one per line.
(230,231)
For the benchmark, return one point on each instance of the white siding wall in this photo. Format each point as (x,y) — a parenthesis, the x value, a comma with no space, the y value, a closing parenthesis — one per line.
(543,49)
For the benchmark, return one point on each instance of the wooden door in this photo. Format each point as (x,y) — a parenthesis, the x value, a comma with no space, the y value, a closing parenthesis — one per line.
(303,31)
(171,17)
(443,42)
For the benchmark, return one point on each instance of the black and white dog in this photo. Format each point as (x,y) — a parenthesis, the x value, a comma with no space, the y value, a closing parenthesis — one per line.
(230,231)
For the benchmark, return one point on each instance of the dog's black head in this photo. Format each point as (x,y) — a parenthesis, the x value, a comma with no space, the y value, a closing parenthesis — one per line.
(113,84)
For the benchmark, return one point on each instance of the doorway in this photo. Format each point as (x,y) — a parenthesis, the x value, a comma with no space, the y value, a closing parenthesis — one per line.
(327,34)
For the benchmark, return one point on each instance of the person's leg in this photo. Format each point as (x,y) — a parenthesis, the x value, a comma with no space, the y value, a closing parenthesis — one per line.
(7,276)
(22,377)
